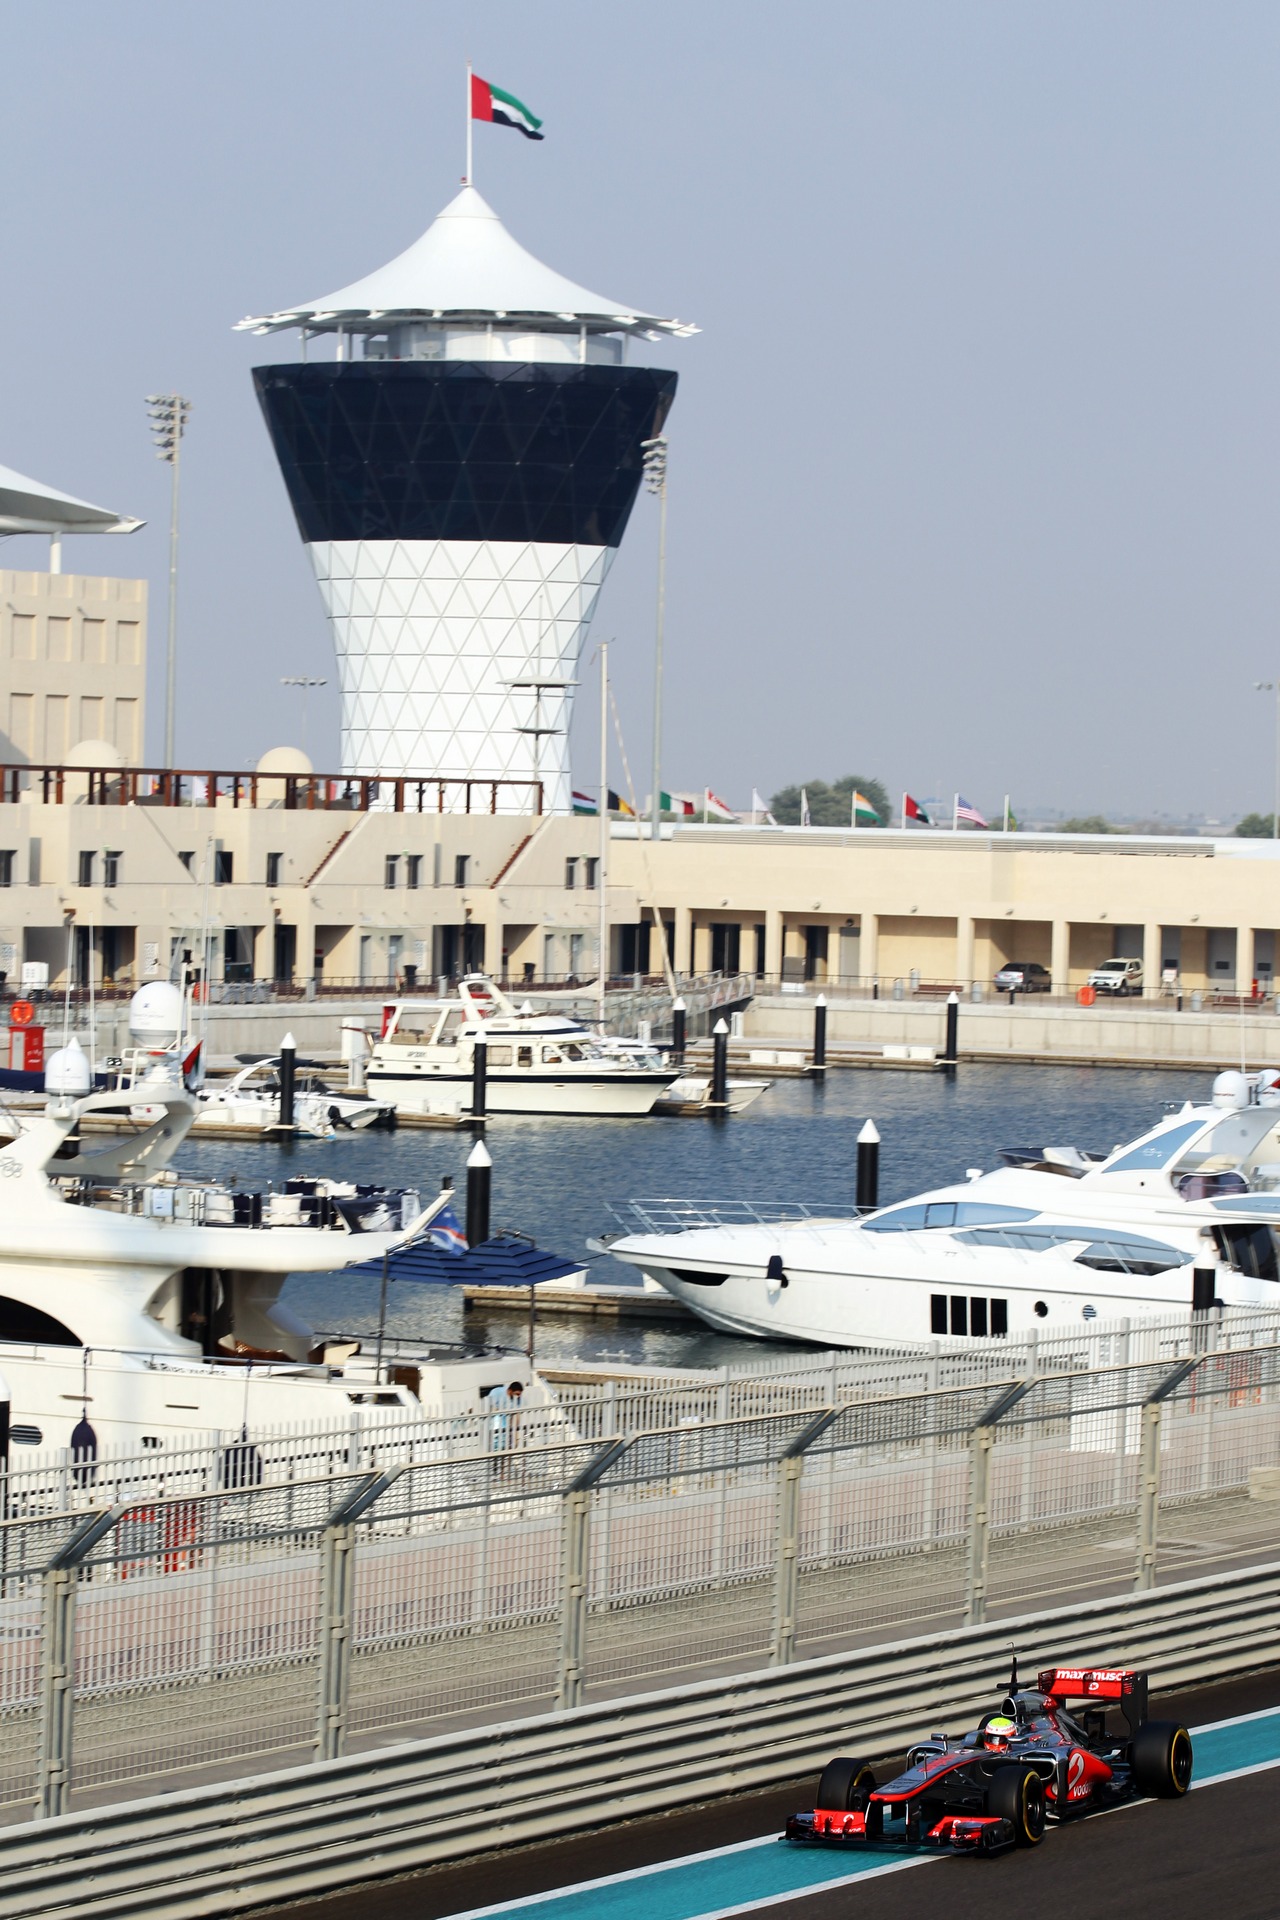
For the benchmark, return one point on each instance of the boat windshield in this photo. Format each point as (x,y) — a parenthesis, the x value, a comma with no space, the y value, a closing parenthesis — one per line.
(944,1213)
(1160,1150)
(1105,1248)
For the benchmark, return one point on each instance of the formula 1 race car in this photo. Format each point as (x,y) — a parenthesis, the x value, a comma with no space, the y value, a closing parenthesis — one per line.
(1029,1762)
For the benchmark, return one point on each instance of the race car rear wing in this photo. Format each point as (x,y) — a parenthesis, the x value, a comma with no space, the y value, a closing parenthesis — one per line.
(1096,1685)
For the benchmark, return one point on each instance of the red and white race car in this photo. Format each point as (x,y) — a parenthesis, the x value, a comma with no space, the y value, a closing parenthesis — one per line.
(1046,1753)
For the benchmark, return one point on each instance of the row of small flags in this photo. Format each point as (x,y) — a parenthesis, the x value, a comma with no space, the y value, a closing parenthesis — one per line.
(861,812)
(683,806)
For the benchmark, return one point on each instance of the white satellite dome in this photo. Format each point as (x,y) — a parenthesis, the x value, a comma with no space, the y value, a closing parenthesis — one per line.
(1231,1089)
(66,1072)
(94,754)
(155,1015)
(285,760)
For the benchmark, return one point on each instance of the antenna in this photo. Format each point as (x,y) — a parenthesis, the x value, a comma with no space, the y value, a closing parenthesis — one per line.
(1013,1672)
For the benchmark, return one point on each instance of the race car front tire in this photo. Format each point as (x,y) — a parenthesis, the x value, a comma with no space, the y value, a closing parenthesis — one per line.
(1016,1793)
(1161,1756)
(846,1786)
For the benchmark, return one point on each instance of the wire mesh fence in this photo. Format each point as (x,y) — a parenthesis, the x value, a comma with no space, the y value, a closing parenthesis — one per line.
(178,1627)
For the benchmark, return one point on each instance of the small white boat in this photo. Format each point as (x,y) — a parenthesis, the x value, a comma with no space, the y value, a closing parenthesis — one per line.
(249,1104)
(537,1063)
(1053,1239)
(690,1092)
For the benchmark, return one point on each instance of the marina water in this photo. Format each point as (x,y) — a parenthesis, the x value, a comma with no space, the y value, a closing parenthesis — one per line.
(555,1179)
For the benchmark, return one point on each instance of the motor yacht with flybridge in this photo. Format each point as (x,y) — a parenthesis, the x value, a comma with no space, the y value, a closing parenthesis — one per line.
(140,1307)
(536,1062)
(1050,1239)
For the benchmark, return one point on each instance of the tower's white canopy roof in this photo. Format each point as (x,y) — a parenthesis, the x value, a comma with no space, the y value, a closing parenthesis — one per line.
(465,267)
(28,507)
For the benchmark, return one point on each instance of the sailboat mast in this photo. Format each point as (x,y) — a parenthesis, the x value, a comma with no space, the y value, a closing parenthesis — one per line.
(602,816)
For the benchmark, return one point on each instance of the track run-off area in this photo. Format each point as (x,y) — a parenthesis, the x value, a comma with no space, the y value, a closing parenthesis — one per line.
(1220,1848)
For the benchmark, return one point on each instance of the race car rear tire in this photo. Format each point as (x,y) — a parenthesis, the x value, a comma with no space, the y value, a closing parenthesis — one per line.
(1016,1793)
(1161,1756)
(846,1786)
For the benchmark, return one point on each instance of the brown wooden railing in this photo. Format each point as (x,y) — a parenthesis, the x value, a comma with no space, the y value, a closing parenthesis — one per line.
(294,792)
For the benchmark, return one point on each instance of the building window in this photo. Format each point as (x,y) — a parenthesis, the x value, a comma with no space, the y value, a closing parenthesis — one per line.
(111,869)
(223,868)
(593,871)
(460,864)
(6,869)
(187,859)
(86,868)
(413,870)
(571,874)
(274,863)
(391,871)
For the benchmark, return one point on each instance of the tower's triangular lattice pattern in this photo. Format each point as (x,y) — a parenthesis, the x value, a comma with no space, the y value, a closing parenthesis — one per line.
(456,658)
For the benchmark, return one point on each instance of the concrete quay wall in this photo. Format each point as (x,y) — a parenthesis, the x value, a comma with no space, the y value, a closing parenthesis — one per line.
(1130,1035)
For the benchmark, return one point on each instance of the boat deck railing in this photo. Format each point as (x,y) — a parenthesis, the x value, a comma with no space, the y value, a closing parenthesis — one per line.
(684,1216)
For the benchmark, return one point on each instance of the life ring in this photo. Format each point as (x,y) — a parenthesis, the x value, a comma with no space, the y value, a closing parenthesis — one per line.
(21,1013)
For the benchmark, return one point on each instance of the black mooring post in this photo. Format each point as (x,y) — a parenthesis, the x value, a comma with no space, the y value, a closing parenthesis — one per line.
(479,1182)
(288,1075)
(868,1193)
(950,1050)
(819,1065)
(719,1067)
(679,1028)
(479,1081)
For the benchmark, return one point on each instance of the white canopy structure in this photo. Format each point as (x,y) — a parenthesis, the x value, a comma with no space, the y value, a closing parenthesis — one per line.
(465,268)
(28,507)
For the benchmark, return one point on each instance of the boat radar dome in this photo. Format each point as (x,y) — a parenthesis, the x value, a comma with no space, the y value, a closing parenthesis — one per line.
(155,1015)
(1231,1090)
(66,1073)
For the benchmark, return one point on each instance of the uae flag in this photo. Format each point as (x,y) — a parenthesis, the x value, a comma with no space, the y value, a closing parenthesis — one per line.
(491,103)
(912,810)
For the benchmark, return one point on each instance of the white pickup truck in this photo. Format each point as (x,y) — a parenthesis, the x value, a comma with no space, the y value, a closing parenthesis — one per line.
(1117,976)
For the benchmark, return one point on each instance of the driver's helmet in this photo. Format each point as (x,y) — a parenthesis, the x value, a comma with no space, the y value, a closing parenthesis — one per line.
(998,1732)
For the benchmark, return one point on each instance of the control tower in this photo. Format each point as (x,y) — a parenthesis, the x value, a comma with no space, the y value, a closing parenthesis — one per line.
(462,472)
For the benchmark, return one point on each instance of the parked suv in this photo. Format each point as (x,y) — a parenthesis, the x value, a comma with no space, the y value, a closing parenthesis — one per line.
(1117,976)
(1023,976)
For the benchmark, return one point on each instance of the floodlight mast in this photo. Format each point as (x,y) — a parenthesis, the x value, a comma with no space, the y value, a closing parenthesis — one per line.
(169,413)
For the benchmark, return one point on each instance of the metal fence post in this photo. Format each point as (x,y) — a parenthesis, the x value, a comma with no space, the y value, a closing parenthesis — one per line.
(337,1578)
(575,1574)
(981,1442)
(786,1562)
(58,1662)
(1149,1474)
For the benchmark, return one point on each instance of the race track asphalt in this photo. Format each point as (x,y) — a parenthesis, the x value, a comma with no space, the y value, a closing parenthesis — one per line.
(1215,1854)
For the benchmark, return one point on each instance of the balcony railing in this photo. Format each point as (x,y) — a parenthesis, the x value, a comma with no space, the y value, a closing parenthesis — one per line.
(292,792)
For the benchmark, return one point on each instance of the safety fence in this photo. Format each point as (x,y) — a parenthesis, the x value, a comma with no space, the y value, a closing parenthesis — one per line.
(145,1634)
(304,1831)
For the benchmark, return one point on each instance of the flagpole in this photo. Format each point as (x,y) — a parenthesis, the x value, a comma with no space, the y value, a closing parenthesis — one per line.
(467,180)
(955,814)
(602,936)
(904,812)
(1006,813)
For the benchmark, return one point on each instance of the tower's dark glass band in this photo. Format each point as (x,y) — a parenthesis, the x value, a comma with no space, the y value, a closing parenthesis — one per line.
(463,450)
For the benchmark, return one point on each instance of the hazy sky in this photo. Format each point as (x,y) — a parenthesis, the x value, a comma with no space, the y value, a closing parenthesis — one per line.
(973,466)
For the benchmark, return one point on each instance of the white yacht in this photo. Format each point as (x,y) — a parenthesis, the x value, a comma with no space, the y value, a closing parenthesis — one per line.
(536,1063)
(247,1106)
(690,1091)
(1051,1240)
(140,1308)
